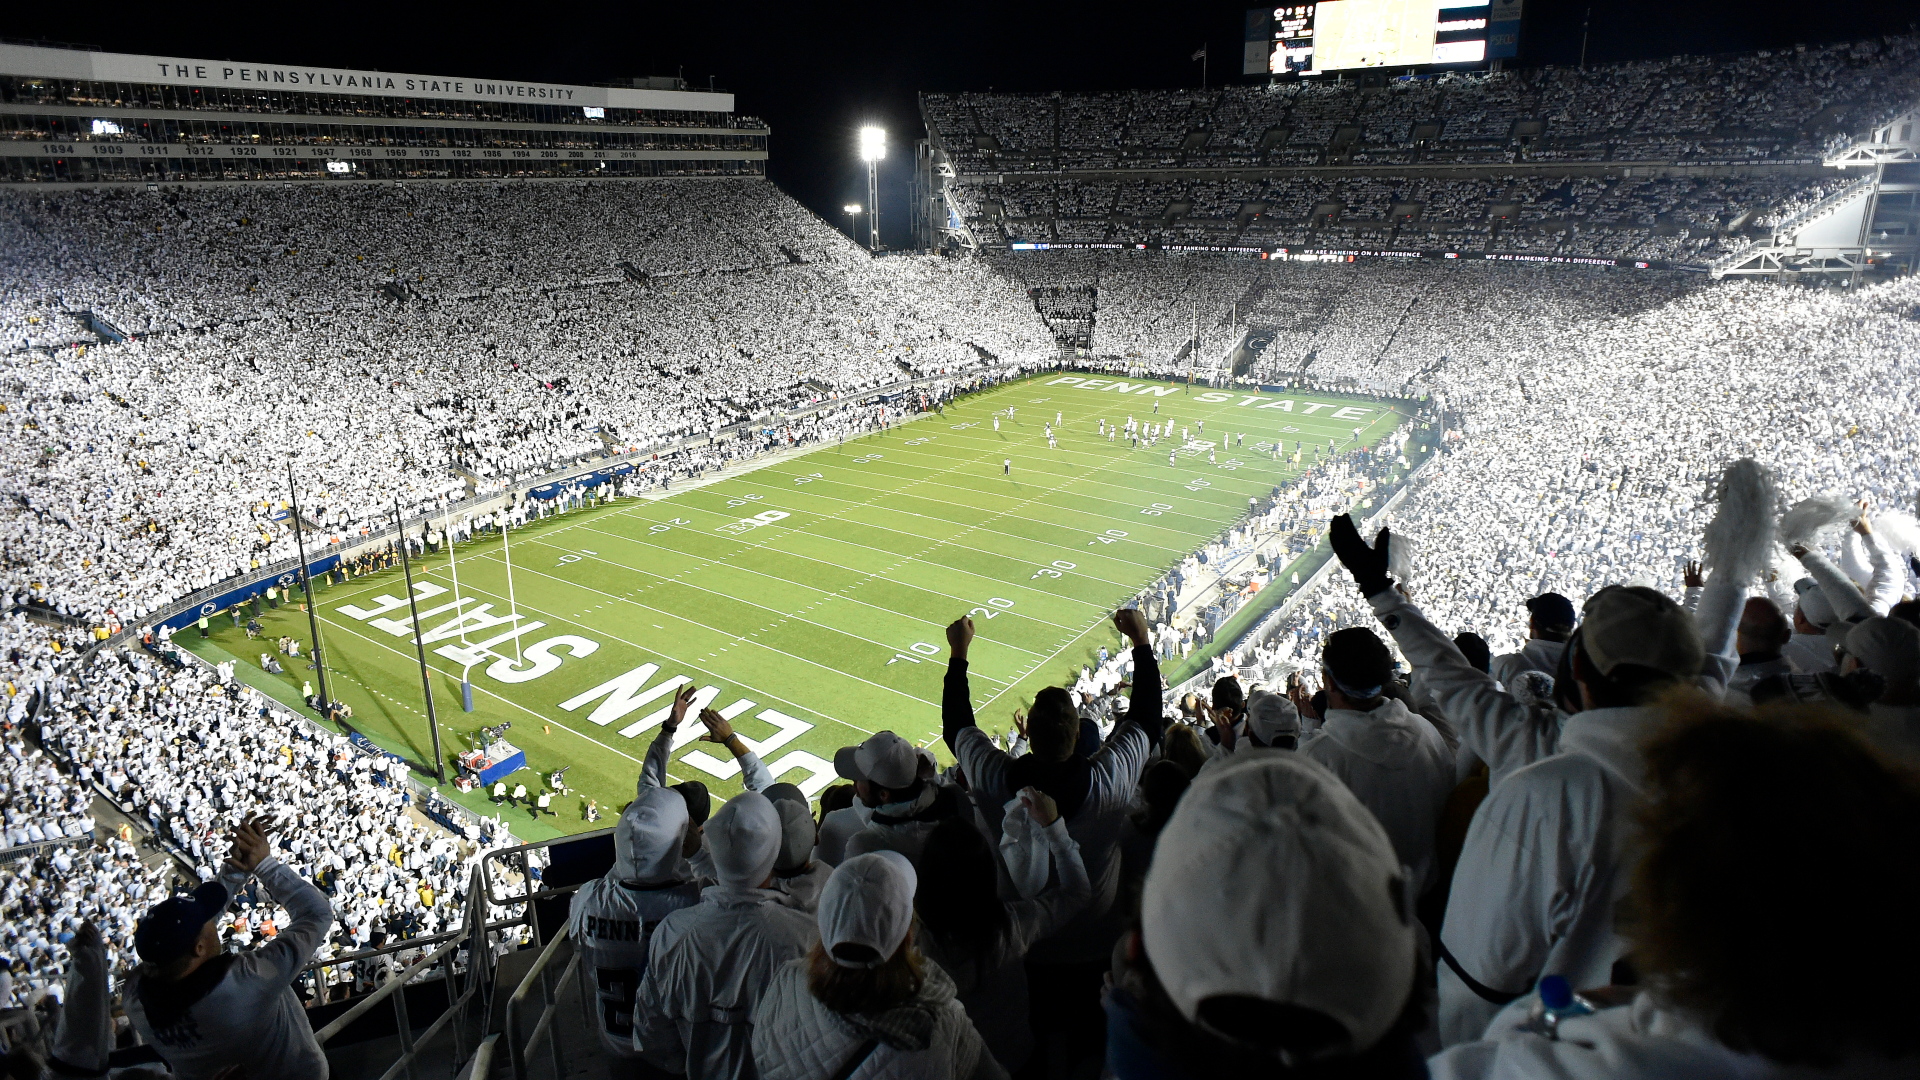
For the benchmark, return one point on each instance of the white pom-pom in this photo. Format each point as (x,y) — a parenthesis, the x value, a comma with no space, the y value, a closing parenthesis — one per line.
(1811,520)
(1898,530)
(1739,539)
(1401,549)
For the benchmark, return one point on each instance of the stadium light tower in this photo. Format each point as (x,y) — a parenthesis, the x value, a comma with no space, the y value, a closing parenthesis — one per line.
(852,211)
(873,147)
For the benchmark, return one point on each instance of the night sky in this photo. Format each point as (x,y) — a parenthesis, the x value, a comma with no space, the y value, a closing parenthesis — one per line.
(817,74)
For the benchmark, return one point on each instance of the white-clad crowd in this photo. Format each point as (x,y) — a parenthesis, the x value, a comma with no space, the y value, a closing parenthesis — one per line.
(1167,899)
(415,342)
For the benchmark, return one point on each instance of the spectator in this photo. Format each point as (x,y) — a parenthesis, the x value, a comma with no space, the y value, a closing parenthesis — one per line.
(1550,622)
(795,873)
(710,963)
(981,941)
(1760,641)
(863,1003)
(1544,860)
(1887,651)
(1750,824)
(1320,977)
(1393,760)
(885,770)
(614,917)
(841,815)
(207,1011)
(1094,795)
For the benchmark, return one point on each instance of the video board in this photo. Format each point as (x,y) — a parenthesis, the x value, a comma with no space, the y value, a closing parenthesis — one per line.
(1347,35)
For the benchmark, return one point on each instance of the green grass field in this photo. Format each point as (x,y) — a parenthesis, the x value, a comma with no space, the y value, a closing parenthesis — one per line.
(806,599)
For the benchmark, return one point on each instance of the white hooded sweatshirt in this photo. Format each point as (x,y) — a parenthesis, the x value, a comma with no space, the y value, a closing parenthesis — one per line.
(1398,766)
(1545,860)
(1638,1040)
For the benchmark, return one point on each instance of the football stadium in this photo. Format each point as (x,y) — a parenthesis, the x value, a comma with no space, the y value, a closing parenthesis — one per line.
(820,583)
(1327,549)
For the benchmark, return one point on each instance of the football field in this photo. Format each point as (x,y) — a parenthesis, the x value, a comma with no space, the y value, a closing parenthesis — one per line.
(806,600)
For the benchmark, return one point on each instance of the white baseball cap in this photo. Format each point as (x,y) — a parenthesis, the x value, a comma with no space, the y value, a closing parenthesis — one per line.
(885,759)
(744,836)
(868,901)
(647,842)
(1304,901)
(1271,716)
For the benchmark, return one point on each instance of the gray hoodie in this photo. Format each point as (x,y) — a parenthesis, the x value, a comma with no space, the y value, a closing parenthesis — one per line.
(251,1016)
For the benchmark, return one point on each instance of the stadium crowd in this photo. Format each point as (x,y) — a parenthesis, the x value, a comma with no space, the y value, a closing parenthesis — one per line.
(1505,809)
(506,357)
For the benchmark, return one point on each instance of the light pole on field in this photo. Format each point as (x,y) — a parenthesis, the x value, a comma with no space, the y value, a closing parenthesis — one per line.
(852,211)
(873,147)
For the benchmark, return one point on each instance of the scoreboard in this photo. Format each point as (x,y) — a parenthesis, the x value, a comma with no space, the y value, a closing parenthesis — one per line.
(1344,35)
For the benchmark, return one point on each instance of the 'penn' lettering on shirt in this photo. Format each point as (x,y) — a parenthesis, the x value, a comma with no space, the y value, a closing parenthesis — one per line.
(613,929)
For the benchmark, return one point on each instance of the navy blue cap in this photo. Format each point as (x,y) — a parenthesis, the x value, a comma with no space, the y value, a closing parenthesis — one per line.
(1553,610)
(170,929)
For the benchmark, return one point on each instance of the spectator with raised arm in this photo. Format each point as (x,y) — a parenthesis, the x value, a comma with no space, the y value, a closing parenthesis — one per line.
(614,917)
(709,964)
(1544,860)
(206,1010)
(1094,794)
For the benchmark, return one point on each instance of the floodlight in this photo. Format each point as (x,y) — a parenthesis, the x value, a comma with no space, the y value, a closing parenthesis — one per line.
(873,143)
(851,208)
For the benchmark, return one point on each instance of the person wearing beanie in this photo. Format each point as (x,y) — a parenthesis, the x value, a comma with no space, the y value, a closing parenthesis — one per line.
(1887,651)
(1747,825)
(613,917)
(795,873)
(708,964)
(207,1011)
(981,941)
(1393,760)
(1550,623)
(1094,795)
(863,1003)
(1545,857)
(1321,977)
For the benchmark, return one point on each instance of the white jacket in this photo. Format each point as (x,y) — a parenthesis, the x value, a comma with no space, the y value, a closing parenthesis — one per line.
(1398,766)
(1538,654)
(706,969)
(1632,1041)
(1492,723)
(795,1037)
(1545,860)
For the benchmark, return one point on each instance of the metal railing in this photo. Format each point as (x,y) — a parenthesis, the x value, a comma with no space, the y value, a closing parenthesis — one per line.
(540,974)
(473,934)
